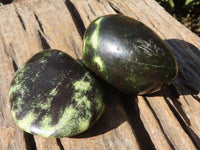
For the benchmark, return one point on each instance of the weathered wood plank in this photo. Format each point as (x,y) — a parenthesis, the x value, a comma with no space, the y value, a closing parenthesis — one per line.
(171,126)
(153,127)
(43,143)
(24,35)
(48,24)
(180,41)
(185,45)
(168,121)
(10,135)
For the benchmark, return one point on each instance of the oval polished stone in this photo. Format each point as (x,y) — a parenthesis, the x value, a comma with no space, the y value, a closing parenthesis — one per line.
(52,95)
(128,55)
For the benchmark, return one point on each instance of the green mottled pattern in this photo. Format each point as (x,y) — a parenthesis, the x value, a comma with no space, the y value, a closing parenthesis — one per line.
(128,55)
(100,64)
(54,96)
(95,38)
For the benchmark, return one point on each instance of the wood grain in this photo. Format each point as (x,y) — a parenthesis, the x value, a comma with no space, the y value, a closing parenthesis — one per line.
(169,119)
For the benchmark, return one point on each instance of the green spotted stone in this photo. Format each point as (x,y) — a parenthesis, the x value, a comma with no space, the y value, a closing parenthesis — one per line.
(52,95)
(128,55)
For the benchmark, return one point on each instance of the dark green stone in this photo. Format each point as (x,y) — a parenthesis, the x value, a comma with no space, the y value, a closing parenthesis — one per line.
(52,95)
(128,55)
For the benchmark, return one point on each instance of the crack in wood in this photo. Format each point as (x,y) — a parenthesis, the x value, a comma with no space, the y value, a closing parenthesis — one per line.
(92,11)
(14,65)
(187,130)
(10,54)
(99,1)
(88,16)
(196,97)
(136,123)
(196,138)
(30,142)
(183,119)
(114,8)
(39,23)
(44,42)
(159,123)
(21,20)
(76,18)
(60,144)
(171,92)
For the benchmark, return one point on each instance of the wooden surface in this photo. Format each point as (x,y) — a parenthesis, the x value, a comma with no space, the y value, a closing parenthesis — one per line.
(169,119)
